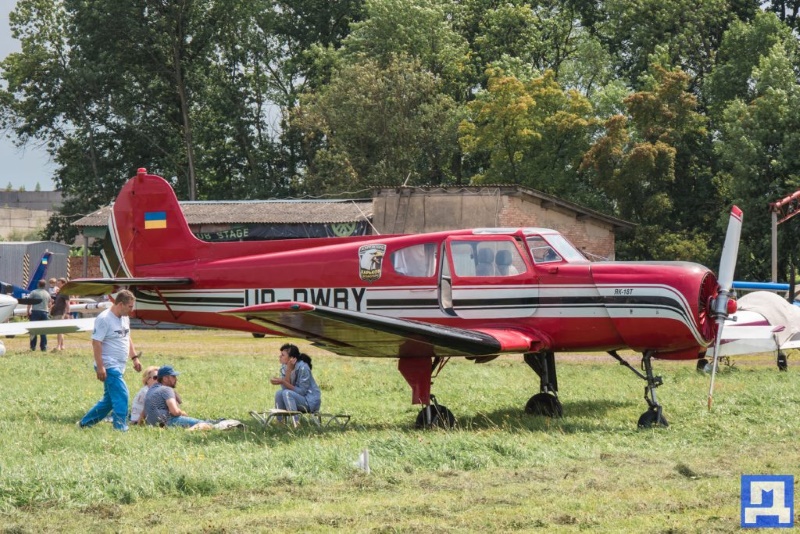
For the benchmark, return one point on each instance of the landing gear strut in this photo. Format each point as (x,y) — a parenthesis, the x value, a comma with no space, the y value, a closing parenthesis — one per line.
(419,373)
(546,401)
(653,415)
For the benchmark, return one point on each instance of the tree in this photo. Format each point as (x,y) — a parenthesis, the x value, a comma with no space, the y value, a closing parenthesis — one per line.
(650,164)
(742,47)
(531,132)
(690,31)
(418,29)
(759,150)
(378,126)
(787,10)
(181,91)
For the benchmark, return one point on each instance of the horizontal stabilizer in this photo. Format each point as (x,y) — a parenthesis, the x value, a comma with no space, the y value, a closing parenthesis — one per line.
(352,333)
(106,286)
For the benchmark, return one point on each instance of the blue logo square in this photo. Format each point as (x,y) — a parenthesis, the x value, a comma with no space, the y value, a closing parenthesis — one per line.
(767,501)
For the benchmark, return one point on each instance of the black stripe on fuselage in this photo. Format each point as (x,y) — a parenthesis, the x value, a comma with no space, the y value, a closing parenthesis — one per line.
(200,300)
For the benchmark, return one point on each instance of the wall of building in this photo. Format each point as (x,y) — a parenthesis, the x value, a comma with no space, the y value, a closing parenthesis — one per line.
(20,222)
(22,212)
(417,211)
(76,267)
(589,235)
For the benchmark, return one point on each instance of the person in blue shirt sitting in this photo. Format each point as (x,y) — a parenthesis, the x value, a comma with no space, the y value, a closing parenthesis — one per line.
(299,391)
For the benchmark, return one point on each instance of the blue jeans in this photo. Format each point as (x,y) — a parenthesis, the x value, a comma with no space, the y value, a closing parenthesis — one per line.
(115,399)
(184,421)
(39,315)
(286,399)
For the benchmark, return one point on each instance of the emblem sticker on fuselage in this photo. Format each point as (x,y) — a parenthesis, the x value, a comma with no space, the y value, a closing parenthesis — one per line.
(370,262)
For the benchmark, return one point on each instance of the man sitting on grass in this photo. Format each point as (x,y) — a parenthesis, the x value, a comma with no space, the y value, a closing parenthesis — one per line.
(161,406)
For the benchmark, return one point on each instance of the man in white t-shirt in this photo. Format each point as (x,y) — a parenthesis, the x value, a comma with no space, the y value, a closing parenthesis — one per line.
(112,346)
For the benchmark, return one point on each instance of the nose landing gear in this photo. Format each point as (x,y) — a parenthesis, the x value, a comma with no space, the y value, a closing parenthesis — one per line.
(653,415)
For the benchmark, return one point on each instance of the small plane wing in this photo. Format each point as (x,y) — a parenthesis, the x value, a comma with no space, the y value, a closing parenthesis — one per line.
(60,326)
(105,286)
(352,333)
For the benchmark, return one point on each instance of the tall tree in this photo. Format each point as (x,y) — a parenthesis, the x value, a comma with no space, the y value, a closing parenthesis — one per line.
(532,132)
(378,125)
(742,47)
(690,31)
(649,162)
(759,149)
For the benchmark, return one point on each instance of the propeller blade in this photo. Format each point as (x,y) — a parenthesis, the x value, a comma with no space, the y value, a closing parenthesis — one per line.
(730,250)
(727,265)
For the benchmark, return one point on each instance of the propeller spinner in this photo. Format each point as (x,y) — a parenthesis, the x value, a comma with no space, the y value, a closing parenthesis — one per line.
(723,306)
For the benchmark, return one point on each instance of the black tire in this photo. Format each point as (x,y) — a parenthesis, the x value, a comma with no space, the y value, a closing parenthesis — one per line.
(258,336)
(701,365)
(651,418)
(782,361)
(545,404)
(441,417)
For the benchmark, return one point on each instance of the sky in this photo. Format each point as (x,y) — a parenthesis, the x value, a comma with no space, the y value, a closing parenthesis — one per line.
(29,165)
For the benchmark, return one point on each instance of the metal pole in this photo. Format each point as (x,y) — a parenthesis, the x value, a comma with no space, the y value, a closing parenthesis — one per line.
(85,256)
(774,246)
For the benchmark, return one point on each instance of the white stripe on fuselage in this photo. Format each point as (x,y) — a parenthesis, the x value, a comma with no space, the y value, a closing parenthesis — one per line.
(418,302)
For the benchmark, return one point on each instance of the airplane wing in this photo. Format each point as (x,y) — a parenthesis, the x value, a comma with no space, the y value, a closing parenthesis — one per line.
(60,326)
(105,286)
(352,333)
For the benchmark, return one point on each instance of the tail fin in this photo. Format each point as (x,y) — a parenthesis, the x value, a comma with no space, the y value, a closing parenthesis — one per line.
(38,274)
(147,227)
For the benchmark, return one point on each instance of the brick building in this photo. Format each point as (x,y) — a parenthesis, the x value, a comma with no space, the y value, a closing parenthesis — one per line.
(430,209)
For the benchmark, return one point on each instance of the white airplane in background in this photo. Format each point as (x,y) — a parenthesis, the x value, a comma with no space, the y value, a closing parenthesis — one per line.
(9,307)
(81,306)
(764,322)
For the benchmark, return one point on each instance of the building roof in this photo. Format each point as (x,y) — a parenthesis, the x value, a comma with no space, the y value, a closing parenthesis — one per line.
(258,212)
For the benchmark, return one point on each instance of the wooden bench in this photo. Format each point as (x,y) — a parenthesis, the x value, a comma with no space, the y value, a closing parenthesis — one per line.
(319,419)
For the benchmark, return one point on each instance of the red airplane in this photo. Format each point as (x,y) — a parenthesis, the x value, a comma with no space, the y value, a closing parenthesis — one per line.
(421,298)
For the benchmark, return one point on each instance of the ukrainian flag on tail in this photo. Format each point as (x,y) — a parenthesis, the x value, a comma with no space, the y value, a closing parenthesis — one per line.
(155,219)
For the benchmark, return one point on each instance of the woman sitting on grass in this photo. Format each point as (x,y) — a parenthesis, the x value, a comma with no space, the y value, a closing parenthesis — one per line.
(299,391)
(149,377)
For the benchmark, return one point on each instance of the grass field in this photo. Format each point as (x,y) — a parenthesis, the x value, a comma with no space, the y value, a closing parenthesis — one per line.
(501,470)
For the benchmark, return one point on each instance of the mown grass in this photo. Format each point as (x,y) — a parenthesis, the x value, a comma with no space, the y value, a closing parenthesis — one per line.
(500,470)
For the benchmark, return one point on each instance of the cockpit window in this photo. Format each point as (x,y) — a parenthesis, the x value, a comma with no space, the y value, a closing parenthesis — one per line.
(541,250)
(555,248)
(487,258)
(416,260)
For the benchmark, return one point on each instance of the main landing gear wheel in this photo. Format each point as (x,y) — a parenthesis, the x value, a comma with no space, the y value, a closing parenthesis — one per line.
(701,365)
(435,416)
(653,417)
(544,404)
(783,361)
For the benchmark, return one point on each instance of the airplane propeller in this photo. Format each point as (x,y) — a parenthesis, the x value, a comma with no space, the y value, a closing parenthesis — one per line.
(723,306)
